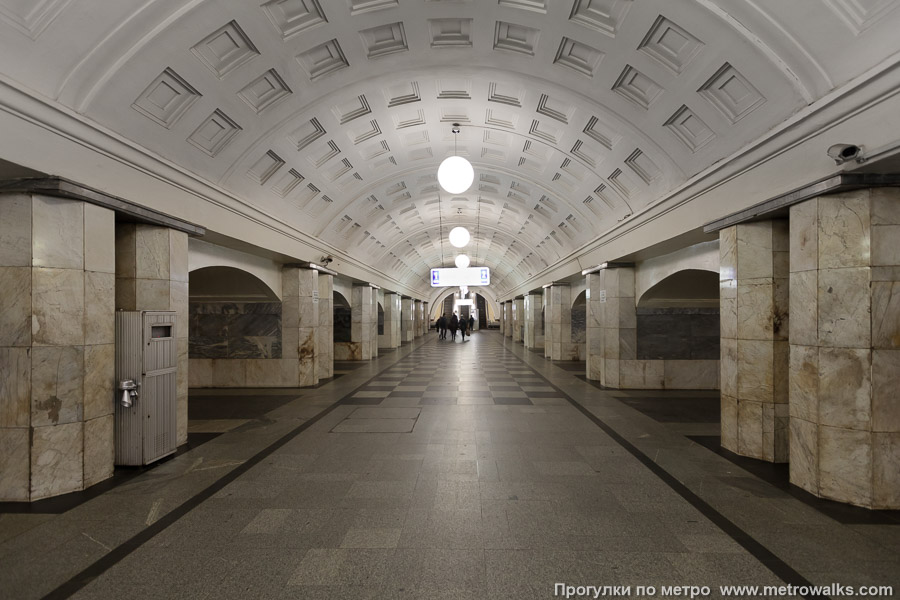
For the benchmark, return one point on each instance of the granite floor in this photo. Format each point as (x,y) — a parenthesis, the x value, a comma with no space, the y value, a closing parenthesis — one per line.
(442,470)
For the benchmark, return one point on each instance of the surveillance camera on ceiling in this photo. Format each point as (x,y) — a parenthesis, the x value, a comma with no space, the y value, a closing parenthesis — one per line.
(326,260)
(842,153)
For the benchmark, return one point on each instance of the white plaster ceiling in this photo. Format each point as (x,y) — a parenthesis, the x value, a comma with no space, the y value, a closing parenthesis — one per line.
(333,115)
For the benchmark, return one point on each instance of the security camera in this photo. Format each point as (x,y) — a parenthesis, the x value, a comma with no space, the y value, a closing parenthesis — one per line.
(326,260)
(842,153)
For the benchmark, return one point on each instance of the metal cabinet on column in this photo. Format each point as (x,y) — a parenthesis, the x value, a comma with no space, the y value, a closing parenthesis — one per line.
(146,373)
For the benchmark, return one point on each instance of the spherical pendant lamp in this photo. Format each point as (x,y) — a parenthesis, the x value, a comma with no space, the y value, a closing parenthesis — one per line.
(456,175)
(459,237)
(462,261)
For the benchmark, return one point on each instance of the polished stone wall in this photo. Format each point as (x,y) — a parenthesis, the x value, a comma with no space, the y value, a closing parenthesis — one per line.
(391,336)
(678,334)
(845,347)
(611,342)
(363,337)
(419,318)
(325,332)
(407,320)
(534,325)
(558,340)
(518,308)
(753,292)
(510,318)
(234,330)
(152,274)
(57,345)
(300,318)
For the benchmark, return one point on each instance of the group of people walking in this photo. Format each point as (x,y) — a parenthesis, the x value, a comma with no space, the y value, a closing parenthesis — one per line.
(454,324)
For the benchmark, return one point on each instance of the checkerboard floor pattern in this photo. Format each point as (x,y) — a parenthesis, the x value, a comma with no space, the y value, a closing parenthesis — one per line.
(448,373)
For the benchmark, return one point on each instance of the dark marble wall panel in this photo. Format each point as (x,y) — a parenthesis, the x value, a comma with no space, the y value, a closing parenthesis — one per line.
(579,314)
(341,324)
(678,334)
(235,330)
(380,320)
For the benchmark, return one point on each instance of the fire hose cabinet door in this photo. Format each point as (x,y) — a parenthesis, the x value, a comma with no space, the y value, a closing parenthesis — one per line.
(146,374)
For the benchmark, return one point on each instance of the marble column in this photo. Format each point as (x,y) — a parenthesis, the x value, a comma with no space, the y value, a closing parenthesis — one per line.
(362,318)
(502,317)
(426,318)
(300,322)
(417,311)
(407,320)
(373,335)
(560,317)
(595,326)
(152,274)
(57,345)
(534,331)
(518,307)
(845,347)
(611,332)
(325,333)
(510,319)
(754,329)
(391,336)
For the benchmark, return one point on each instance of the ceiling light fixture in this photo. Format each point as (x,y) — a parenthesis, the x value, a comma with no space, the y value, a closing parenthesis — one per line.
(462,261)
(455,173)
(459,237)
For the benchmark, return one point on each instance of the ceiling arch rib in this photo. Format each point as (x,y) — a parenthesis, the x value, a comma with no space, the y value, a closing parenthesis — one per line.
(333,117)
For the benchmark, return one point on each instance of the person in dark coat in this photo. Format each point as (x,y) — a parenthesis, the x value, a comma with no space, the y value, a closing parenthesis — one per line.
(471,324)
(454,325)
(462,327)
(442,327)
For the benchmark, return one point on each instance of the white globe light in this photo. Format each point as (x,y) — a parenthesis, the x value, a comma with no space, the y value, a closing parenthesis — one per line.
(459,237)
(456,175)
(462,261)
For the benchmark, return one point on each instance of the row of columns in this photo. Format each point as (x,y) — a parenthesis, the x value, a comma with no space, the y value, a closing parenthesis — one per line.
(818,389)
(810,342)
(66,266)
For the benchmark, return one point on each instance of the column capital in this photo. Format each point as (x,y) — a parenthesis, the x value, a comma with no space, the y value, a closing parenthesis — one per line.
(608,265)
(304,264)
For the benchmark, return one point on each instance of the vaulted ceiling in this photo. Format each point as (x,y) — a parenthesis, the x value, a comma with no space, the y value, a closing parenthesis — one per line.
(332,116)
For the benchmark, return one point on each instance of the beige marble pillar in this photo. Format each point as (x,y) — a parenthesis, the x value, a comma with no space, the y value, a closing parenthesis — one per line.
(362,319)
(152,274)
(518,307)
(502,317)
(57,345)
(595,325)
(611,332)
(300,322)
(373,325)
(325,333)
(845,347)
(560,316)
(417,311)
(510,319)
(426,318)
(533,331)
(407,320)
(391,337)
(754,329)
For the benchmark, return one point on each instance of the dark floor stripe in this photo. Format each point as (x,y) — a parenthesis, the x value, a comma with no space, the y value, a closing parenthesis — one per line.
(103,564)
(748,542)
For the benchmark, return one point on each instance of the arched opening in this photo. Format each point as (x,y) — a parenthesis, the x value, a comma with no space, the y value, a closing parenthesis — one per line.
(232,315)
(579,329)
(380,319)
(342,319)
(678,318)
